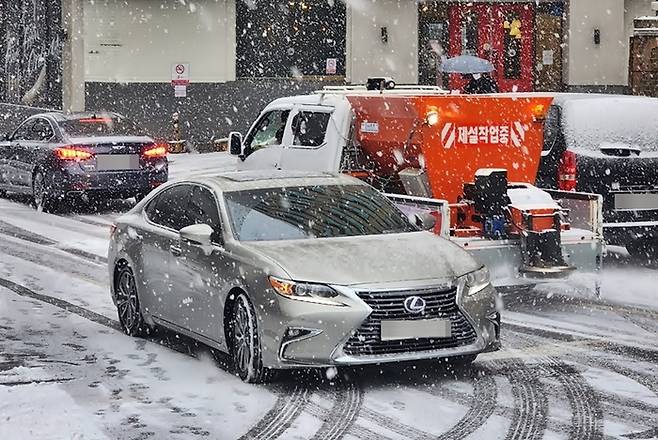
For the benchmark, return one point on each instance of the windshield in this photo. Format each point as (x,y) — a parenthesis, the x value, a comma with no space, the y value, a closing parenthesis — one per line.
(592,124)
(312,212)
(101,126)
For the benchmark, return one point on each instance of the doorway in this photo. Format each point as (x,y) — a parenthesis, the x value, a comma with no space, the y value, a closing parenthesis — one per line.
(500,33)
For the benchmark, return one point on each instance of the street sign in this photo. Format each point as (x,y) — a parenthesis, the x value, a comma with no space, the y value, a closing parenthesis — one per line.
(180,74)
(180,91)
(331,66)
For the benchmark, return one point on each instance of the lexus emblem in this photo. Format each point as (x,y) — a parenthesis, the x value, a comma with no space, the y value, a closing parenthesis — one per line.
(414,304)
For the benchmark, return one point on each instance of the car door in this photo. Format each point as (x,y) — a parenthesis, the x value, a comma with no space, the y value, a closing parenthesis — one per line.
(28,151)
(13,159)
(197,271)
(309,147)
(265,141)
(165,215)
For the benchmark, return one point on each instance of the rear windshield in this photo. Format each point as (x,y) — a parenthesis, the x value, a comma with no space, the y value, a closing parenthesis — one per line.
(101,126)
(592,124)
(312,212)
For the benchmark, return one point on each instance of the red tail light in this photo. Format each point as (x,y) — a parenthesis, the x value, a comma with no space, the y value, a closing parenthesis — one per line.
(73,153)
(155,150)
(567,178)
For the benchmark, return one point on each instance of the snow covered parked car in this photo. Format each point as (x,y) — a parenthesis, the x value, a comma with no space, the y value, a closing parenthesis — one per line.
(288,270)
(608,145)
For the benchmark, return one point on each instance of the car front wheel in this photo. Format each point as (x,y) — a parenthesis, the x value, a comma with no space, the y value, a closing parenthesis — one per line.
(245,343)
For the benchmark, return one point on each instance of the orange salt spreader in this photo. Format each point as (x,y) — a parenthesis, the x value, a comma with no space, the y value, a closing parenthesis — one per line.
(466,150)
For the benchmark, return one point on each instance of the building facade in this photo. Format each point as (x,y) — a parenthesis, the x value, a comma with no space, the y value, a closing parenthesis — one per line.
(243,53)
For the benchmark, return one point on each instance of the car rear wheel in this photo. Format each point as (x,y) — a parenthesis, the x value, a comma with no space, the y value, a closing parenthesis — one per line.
(245,343)
(644,249)
(128,307)
(42,192)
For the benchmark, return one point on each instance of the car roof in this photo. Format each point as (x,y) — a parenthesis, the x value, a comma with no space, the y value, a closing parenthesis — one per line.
(249,180)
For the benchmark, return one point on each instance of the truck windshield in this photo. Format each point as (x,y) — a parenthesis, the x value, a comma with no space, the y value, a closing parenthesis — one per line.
(590,124)
(312,212)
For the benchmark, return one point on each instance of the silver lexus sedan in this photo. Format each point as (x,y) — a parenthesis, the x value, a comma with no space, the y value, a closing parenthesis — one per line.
(289,270)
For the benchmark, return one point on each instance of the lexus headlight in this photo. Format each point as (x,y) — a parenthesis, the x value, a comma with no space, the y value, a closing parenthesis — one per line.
(313,293)
(475,282)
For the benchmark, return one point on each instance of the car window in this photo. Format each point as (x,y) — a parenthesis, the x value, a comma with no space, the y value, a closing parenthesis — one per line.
(42,130)
(309,128)
(551,128)
(312,212)
(24,132)
(170,208)
(203,209)
(101,125)
(268,131)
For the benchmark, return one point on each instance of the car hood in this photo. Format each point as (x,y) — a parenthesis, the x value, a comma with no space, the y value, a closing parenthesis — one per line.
(370,259)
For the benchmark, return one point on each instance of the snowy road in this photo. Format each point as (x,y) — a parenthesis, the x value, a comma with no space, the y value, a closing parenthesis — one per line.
(572,367)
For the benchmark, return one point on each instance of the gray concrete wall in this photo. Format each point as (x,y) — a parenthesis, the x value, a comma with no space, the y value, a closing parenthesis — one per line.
(210,111)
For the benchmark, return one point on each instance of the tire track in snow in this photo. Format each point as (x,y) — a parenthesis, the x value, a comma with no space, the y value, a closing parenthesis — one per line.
(277,420)
(31,237)
(483,403)
(530,415)
(586,413)
(347,404)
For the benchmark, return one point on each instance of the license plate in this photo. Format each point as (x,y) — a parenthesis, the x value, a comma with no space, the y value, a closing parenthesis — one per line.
(636,202)
(117,162)
(427,328)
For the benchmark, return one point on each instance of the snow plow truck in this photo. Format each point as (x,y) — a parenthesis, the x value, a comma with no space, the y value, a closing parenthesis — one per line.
(467,161)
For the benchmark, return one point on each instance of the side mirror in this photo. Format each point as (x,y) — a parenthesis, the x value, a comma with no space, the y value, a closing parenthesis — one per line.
(235,143)
(200,235)
(424,220)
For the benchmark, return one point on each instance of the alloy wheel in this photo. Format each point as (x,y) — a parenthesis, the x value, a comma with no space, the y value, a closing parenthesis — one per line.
(127,303)
(243,333)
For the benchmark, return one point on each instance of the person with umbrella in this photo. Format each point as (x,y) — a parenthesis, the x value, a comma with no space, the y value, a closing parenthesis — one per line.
(476,69)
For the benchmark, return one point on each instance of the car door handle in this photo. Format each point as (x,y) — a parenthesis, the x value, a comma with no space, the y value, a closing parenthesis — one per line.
(175,250)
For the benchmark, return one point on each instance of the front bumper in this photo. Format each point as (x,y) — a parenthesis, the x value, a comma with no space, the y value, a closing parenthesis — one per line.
(323,336)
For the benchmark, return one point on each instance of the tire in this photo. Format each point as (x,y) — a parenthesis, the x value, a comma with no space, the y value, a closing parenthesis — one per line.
(245,343)
(643,250)
(128,307)
(44,200)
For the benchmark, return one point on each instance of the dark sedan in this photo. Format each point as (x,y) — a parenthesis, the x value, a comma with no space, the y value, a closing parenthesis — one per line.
(55,157)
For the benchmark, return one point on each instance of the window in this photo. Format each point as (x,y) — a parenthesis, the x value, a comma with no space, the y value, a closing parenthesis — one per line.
(469,34)
(309,128)
(203,210)
(292,38)
(551,128)
(24,132)
(312,211)
(42,130)
(512,42)
(101,125)
(268,131)
(169,208)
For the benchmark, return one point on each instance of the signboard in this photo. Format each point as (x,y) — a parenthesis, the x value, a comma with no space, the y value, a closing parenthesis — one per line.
(180,74)
(331,66)
(180,91)
(547,58)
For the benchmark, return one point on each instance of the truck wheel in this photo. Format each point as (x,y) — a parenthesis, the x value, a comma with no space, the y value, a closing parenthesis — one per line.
(646,249)
(245,343)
